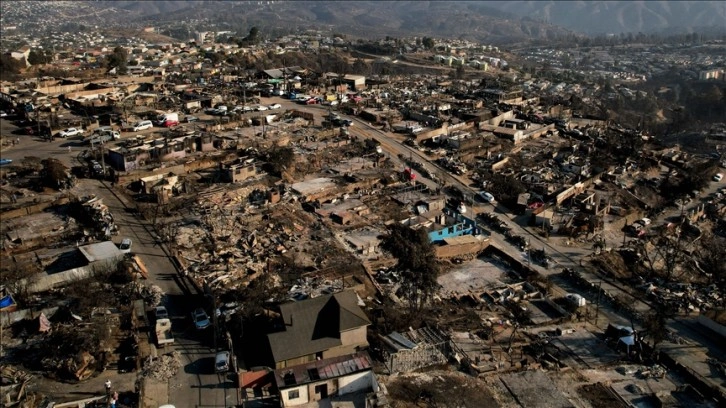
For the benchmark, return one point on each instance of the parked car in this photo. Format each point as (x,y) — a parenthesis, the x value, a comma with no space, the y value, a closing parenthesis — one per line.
(275,106)
(645,221)
(200,319)
(221,362)
(125,245)
(70,132)
(161,313)
(190,119)
(142,125)
(103,137)
(262,108)
(5,161)
(486,196)
(718,177)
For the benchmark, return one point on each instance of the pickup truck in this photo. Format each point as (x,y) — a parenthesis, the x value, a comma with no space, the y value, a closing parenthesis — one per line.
(163,332)
(70,132)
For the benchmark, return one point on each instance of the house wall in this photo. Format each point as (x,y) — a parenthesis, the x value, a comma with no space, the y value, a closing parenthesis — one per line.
(449,231)
(577,188)
(340,350)
(355,337)
(497,120)
(463,226)
(297,361)
(303,398)
(453,251)
(241,173)
(331,389)
(356,382)
(335,386)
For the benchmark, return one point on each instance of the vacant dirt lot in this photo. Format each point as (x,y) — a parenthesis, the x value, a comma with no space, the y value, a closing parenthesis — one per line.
(439,389)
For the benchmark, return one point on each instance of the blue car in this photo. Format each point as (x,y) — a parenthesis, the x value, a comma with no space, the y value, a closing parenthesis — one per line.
(201,319)
(5,161)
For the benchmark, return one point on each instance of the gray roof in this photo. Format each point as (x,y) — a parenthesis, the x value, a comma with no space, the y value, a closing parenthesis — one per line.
(314,325)
(100,251)
(274,73)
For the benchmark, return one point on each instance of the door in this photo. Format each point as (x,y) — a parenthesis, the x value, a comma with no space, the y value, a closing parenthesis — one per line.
(322,390)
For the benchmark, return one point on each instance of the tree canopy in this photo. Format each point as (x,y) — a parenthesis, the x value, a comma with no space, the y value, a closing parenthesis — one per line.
(118,59)
(417,264)
(428,42)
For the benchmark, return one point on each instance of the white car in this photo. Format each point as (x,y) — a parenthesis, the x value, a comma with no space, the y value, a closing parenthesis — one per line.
(645,221)
(275,106)
(718,177)
(486,196)
(70,132)
(262,108)
(143,125)
(125,245)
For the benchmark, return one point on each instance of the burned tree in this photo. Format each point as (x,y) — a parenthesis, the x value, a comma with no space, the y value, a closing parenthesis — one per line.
(665,253)
(280,159)
(710,260)
(55,174)
(417,264)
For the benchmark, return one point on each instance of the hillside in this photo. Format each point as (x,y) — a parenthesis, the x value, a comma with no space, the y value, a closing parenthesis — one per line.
(469,20)
(600,17)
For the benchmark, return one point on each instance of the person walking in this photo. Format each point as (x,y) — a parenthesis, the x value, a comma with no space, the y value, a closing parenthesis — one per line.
(108,387)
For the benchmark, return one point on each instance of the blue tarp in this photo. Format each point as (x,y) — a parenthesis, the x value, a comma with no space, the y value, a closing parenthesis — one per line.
(7,301)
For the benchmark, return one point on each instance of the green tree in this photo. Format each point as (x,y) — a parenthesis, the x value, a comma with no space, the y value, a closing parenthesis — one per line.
(37,57)
(215,57)
(428,42)
(118,59)
(252,38)
(9,68)
(417,263)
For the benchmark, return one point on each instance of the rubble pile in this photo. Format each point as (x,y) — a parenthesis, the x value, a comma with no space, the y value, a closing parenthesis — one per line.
(244,245)
(684,297)
(100,215)
(164,367)
(80,367)
(152,295)
(13,388)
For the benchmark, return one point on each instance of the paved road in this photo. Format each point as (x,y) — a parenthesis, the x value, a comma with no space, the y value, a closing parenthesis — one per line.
(196,384)
(567,257)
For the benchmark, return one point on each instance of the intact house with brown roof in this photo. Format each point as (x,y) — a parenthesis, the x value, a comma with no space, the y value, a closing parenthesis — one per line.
(319,328)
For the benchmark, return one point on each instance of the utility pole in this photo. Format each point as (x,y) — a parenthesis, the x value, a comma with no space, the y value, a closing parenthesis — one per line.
(597,307)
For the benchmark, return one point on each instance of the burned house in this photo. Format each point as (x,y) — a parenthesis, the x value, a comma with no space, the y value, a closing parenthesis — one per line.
(158,150)
(240,170)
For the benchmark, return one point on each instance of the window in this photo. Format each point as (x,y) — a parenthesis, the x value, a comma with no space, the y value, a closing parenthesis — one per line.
(294,394)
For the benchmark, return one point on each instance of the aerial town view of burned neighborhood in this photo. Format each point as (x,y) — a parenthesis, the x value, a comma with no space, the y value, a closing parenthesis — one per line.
(362,204)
